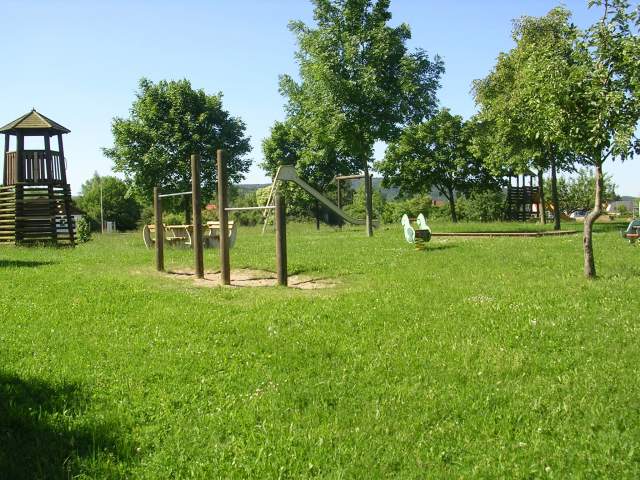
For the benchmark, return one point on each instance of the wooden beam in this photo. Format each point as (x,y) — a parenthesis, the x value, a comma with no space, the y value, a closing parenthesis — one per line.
(197,216)
(7,140)
(339,199)
(225,267)
(349,177)
(281,240)
(19,155)
(63,163)
(157,208)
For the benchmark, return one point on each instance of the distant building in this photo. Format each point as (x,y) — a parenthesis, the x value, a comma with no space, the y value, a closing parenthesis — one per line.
(630,203)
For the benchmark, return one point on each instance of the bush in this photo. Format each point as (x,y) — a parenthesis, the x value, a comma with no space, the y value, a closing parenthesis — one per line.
(357,208)
(486,206)
(83,230)
(441,213)
(413,206)
(146,216)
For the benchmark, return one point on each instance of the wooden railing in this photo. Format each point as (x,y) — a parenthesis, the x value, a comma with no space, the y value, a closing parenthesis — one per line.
(36,168)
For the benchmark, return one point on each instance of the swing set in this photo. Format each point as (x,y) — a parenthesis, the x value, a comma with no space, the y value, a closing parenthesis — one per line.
(222,232)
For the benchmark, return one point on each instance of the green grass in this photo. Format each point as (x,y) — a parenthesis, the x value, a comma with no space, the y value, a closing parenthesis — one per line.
(475,358)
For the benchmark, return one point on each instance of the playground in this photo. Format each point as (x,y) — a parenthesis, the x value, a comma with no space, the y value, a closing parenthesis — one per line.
(475,357)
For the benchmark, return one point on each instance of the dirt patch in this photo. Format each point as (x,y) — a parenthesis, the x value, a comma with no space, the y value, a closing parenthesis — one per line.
(253,278)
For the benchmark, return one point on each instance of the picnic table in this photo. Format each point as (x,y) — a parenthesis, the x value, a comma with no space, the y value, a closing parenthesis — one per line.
(182,235)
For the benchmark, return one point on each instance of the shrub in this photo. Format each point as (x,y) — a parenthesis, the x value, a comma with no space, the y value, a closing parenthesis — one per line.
(83,230)
(485,206)
(393,210)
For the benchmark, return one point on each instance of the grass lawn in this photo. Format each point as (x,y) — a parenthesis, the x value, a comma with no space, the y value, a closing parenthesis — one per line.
(475,358)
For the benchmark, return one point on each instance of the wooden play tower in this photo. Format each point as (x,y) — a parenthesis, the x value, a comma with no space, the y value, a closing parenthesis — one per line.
(522,199)
(35,198)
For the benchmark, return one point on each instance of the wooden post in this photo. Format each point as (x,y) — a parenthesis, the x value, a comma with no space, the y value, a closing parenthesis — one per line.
(225,268)
(50,190)
(368,203)
(66,189)
(197,216)
(19,155)
(157,208)
(542,213)
(5,173)
(281,240)
(63,163)
(339,200)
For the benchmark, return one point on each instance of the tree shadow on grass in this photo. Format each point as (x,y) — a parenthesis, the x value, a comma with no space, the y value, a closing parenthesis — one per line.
(23,263)
(439,246)
(39,436)
(608,226)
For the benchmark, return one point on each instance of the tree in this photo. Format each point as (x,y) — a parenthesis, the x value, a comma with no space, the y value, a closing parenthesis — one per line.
(118,206)
(169,121)
(521,101)
(576,194)
(358,83)
(435,153)
(603,109)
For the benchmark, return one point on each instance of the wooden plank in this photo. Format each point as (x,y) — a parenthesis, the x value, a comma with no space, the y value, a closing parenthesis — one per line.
(281,240)
(197,216)
(157,207)
(225,265)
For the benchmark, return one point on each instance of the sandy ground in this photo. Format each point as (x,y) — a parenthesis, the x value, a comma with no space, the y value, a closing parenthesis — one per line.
(253,278)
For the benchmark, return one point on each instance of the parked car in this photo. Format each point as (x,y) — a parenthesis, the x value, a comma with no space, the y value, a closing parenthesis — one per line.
(579,214)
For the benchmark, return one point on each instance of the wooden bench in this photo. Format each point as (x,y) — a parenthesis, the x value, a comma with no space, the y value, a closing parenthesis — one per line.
(182,235)
(211,236)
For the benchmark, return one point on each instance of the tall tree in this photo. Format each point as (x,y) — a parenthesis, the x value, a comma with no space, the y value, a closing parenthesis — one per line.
(168,122)
(603,109)
(435,153)
(521,100)
(109,196)
(358,82)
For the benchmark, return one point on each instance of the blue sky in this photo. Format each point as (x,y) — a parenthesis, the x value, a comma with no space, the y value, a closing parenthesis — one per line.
(79,62)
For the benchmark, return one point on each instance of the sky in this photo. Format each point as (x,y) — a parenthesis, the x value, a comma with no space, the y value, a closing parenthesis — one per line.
(79,62)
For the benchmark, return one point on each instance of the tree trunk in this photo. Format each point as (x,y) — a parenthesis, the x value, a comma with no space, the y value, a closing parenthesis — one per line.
(368,200)
(542,209)
(452,205)
(317,210)
(587,241)
(554,194)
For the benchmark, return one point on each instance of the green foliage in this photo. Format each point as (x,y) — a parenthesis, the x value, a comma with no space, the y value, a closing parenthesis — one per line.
(436,364)
(435,153)
(521,124)
(482,206)
(83,230)
(605,105)
(251,217)
(577,192)
(357,207)
(169,121)
(358,83)
(394,209)
(623,211)
(117,204)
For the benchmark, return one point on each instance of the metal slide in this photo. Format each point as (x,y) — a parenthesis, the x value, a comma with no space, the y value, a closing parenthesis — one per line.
(287,173)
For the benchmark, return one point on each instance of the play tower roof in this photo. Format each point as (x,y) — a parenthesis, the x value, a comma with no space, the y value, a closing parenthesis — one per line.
(33,123)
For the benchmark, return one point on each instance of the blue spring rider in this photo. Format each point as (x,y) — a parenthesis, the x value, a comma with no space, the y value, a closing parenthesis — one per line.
(418,236)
